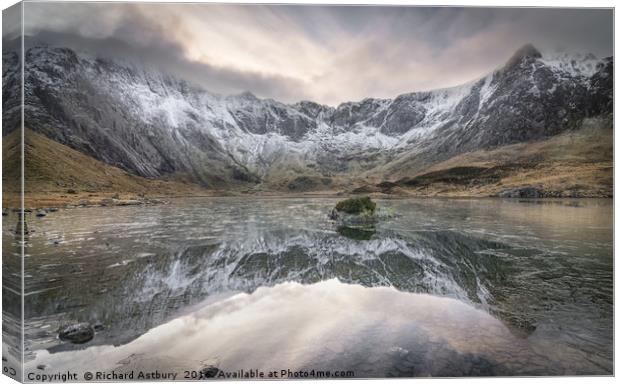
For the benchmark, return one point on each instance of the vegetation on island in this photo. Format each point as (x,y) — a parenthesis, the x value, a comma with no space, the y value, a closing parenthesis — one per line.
(355,217)
(357,206)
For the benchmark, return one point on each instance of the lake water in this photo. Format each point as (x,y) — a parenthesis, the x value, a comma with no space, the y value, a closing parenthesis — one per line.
(445,287)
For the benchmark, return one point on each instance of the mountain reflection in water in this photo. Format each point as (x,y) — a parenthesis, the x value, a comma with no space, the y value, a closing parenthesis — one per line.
(543,287)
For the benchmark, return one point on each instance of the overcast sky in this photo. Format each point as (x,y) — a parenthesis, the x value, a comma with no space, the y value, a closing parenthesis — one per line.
(327,54)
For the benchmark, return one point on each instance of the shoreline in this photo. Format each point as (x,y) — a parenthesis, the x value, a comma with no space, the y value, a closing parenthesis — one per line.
(38,203)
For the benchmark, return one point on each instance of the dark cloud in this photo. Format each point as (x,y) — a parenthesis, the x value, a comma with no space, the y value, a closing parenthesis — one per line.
(169,57)
(325,53)
(134,37)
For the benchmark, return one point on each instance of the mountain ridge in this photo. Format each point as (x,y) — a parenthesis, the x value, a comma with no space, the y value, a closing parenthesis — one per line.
(152,124)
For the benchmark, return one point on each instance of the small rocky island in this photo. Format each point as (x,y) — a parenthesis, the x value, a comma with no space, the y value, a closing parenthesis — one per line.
(355,212)
(355,217)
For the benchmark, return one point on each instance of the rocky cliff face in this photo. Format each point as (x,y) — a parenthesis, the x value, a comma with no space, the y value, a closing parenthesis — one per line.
(154,125)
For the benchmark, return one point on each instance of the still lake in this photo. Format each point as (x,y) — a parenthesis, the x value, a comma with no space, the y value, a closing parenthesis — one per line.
(445,287)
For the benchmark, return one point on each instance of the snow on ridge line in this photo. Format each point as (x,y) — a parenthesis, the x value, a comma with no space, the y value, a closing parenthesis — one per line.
(175,104)
(159,98)
(576,64)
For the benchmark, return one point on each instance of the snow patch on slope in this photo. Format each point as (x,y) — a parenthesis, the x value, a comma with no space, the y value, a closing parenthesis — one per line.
(572,64)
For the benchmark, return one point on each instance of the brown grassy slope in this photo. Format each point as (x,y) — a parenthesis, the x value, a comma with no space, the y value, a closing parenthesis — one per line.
(53,170)
(11,169)
(576,163)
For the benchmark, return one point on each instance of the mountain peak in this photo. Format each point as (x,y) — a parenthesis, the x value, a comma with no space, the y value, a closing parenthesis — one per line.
(247,95)
(526,51)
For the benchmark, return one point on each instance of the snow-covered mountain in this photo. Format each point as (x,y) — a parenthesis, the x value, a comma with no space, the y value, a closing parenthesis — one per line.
(144,121)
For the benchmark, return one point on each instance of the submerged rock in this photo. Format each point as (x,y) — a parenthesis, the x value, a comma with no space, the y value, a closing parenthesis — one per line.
(98,327)
(77,333)
(41,213)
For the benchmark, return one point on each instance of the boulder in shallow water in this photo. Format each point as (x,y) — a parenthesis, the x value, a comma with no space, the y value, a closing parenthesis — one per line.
(98,327)
(210,371)
(41,213)
(77,333)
